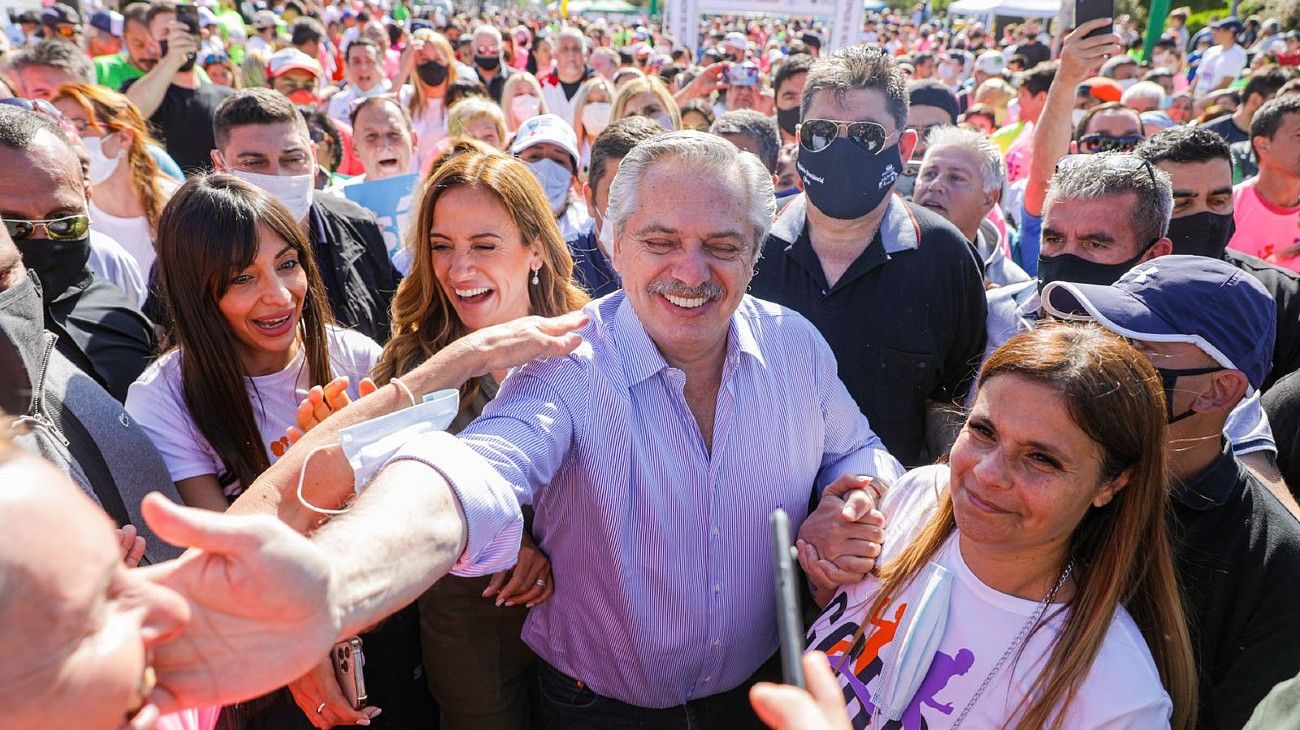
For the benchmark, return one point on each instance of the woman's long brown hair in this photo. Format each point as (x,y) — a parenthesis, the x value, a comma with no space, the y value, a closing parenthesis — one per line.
(1121,551)
(109,112)
(424,320)
(207,234)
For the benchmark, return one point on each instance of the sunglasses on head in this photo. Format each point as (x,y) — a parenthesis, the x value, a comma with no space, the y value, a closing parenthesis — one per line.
(1114,161)
(212,58)
(816,135)
(67,228)
(1094,143)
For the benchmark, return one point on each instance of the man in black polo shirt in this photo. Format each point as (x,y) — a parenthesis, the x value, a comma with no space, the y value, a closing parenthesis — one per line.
(262,139)
(1208,329)
(894,288)
(174,96)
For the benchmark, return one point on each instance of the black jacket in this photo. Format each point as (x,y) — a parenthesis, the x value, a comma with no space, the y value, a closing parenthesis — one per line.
(101,331)
(1237,551)
(360,279)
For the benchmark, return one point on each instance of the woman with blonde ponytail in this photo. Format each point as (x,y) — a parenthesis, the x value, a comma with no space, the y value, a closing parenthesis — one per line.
(1029,582)
(128,191)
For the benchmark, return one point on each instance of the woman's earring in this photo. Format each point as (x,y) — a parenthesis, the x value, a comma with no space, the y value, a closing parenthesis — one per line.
(536,279)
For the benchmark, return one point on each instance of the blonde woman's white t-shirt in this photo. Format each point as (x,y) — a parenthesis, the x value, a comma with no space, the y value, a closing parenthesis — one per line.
(156,402)
(1122,689)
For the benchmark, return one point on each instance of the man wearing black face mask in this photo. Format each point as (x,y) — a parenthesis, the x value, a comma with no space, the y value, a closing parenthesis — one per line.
(1207,327)
(787,86)
(1199,164)
(1105,214)
(492,71)
(43,203)
(894,288)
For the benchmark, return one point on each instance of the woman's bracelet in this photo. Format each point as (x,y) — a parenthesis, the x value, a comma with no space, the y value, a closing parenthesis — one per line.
(405,389)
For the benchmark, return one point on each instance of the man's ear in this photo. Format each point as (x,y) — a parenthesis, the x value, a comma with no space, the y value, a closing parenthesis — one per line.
(906,144)
(1227,389)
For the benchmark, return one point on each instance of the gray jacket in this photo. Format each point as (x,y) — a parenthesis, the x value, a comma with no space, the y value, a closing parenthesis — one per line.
(68,418)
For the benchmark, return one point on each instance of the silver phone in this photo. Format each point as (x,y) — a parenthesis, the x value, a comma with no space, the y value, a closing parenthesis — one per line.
(349,670)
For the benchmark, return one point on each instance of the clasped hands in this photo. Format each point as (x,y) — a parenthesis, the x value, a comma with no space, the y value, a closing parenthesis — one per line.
(839,542)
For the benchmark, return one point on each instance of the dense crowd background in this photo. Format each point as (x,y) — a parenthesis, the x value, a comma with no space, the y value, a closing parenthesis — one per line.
(239,235)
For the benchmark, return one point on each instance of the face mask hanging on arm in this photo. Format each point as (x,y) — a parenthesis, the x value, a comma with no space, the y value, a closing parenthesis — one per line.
(370,444)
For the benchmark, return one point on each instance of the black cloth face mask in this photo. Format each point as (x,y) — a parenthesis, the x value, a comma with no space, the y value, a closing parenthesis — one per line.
(1202,234)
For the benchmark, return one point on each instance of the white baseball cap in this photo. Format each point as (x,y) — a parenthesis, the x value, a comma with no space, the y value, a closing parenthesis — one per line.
(546,128)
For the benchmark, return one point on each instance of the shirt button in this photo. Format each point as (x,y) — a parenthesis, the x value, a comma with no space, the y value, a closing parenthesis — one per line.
(715,533)
(717,643)
(706,680)
(717,588)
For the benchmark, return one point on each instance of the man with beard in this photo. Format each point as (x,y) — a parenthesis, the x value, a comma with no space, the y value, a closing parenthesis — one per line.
(139,54)
(560,87)
(178,101)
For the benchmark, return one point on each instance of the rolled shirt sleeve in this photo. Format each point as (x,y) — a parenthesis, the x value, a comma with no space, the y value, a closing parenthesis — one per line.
(493,523)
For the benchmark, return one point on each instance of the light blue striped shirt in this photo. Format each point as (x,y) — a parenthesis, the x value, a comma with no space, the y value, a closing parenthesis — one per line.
(660,549)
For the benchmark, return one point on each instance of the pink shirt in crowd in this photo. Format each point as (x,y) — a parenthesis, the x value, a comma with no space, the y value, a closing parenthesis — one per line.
(1263,229)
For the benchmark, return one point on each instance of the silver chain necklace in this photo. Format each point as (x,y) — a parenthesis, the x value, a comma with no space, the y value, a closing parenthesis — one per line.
(1011,649)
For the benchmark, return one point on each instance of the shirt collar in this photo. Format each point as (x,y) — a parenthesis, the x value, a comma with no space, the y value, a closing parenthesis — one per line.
(641,357)
(1212,487)
(899,230)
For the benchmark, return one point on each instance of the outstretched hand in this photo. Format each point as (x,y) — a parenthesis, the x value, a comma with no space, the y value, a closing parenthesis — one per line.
(256,590)
(821,707)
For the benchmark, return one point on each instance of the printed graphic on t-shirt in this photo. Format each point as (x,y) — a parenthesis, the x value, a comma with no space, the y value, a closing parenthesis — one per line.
(859,664)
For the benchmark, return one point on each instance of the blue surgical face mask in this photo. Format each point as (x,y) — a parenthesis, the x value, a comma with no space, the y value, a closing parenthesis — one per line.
(907,658)
(555,180)
(370,444)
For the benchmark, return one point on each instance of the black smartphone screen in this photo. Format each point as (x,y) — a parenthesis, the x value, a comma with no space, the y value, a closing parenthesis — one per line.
(189,15)
(1085,10)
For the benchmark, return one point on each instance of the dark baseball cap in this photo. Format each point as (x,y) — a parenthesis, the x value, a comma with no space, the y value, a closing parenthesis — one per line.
(60,14)
(1194,299)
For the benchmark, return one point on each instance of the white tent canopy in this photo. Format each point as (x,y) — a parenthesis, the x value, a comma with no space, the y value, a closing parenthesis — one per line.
(1018,8)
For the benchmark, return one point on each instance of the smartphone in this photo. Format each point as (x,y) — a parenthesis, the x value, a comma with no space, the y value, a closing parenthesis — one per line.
(349,666)
(788,623)
(1085,10)
(743,75)
(189,15)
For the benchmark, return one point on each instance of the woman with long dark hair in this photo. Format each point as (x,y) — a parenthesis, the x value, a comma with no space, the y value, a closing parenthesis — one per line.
(1029,582)
(251,335)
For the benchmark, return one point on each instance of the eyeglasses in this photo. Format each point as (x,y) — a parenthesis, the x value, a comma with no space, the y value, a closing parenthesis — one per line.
(67,31)
(923,130)
(1094,143)
(1112,160)
(68,228)
(816,135)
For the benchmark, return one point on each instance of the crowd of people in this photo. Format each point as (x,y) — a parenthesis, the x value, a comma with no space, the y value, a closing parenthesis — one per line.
(497,336)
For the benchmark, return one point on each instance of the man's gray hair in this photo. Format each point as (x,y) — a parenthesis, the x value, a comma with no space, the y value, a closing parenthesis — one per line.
(1109,174)
(489,30)
(55,54)
(711,158)
(858,67)
(756,125)
(570,31)
(993,170)
(1148,91)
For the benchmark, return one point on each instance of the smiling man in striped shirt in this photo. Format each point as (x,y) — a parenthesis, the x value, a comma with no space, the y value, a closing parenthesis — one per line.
(653,454)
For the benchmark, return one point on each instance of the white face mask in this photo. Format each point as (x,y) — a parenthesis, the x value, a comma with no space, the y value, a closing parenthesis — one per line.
(595,117)
(555,179)
(1127,83)
(605,236)
(525,108)
(102,167)
(295,191)
(1076,116)
(370,444)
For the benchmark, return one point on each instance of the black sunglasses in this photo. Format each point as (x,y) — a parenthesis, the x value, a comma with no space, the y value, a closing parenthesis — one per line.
(1094,143)
(816,135)
(68,228)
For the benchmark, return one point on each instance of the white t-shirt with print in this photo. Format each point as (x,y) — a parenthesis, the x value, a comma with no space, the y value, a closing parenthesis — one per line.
(156,402)
(1122,690)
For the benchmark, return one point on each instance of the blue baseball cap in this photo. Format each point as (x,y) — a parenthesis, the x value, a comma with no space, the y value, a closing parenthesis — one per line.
(1194,299)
